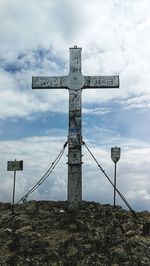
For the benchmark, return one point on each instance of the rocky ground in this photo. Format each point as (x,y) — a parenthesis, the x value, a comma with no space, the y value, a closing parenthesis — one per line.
(45,233)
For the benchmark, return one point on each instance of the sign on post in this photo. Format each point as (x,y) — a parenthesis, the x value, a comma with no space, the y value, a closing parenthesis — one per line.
(115,154)
(14,166)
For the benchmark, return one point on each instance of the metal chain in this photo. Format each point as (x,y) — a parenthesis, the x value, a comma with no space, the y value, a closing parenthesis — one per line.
(122,197)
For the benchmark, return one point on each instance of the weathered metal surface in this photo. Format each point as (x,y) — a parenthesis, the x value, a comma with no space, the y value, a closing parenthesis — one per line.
(74,100)
(75,59)
(15,165)
(75,182)
(74,150)
(75,82)
(48,82)
(75,123)
(101,82)
(74,157)
(115,154)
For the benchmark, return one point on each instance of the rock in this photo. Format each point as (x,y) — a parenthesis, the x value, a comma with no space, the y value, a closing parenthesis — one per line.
(46,233)
(146,229)
(61,211)
(8,230)
(24,229)
(130,233)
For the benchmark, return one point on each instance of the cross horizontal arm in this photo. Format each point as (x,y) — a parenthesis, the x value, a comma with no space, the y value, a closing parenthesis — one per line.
(101,82)
(49,82)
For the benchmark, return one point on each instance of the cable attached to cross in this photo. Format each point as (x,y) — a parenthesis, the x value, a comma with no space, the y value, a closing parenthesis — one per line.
(45,176)
(53,165)
(103,171)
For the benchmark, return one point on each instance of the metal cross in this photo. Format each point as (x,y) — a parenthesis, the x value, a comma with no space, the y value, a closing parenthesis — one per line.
(75,82)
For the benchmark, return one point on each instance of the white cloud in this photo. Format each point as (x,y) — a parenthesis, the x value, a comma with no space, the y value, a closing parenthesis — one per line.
(96,111)
(18,100)
(137,102)
(142,194)
(114,36)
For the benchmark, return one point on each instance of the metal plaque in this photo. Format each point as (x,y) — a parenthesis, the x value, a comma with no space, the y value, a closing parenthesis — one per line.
(101,82)
(15,166)
(48,82)
(115,154)
(75,81)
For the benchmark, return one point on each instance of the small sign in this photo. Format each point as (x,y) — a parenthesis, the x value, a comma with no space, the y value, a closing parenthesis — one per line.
(15,166)
(115,154)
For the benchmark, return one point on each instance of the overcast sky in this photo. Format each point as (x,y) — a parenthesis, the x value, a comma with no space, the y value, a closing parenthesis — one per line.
(35,37)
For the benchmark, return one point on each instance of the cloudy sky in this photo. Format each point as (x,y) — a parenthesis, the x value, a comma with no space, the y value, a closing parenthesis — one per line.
(35,37)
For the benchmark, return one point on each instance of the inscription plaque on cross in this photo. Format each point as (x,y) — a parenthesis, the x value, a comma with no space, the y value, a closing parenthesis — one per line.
(75,82)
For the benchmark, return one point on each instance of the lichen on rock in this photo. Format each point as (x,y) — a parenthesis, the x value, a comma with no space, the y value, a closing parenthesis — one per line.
(46,233)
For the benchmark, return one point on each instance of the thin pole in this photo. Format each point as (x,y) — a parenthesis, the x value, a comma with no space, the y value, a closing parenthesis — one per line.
(103,171)
(14,188)
(115,185)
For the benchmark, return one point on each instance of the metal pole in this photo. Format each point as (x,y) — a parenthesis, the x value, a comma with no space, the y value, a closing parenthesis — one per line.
(115,185)
(14,188)
(75,130)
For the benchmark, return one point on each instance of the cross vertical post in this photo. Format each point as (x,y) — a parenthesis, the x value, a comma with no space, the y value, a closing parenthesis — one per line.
(75,132)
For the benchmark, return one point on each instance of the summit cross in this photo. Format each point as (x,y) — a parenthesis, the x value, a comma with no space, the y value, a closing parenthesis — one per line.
(75,82)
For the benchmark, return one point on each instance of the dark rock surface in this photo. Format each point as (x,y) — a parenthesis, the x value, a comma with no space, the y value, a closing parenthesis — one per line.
(46,233)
